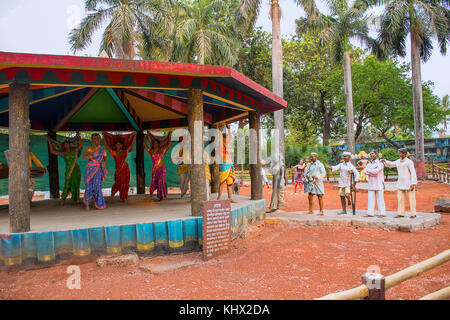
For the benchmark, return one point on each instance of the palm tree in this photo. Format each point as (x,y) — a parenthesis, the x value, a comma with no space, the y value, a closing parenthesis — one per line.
(246,14)
(129,22)
(422,20)
(203,34)
(344,24)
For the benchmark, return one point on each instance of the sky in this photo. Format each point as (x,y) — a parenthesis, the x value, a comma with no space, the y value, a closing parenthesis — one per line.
(43,26)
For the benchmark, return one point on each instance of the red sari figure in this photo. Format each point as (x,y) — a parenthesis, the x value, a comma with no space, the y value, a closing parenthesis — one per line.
(157,151)
(123,144)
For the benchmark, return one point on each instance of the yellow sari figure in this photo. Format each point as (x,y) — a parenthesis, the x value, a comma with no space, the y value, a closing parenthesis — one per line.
(226,172)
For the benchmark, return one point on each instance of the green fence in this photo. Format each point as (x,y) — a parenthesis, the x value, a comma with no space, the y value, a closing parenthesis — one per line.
(39,147)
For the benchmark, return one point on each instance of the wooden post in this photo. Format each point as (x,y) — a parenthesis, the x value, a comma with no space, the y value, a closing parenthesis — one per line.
(19,168)
(376,284)
(255,166)
(197,167)
(53,172)
(215,168)
(140,168)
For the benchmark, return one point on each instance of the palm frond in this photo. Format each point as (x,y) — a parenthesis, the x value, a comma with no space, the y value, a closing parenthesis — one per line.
(438,19)
(363,5)
(246,14)
(394,28)
(310,8)
(81,37)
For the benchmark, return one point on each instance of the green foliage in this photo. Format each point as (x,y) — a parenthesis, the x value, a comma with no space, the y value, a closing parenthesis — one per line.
(128,22)
(295,154)
(383,103)
(222,33)
(255,61)
(391,155)
(337,29)
(204,34)
(255,57)
(312,82)
(424,19)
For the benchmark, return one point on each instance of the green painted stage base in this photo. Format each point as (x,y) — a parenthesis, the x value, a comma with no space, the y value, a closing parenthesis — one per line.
(46,248)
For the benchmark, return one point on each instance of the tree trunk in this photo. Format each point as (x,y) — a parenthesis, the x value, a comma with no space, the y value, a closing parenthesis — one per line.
(197,167)
(326,132)
(349,102)
(255,158)
(418,107)
(326,122)
(358,132)
(53,172)
(277,70)
(277,77)
(18,158)
(140,168)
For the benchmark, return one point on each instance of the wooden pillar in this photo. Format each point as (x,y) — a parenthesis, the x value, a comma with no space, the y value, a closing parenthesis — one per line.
(197,167)
(215,167)
(255,158)
(19,168)
(140,168)
(53,172)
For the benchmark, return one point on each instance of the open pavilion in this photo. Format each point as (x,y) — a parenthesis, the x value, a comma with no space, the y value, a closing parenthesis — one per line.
(50,93)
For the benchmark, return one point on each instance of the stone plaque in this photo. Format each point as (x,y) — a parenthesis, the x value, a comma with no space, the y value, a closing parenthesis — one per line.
(216,228)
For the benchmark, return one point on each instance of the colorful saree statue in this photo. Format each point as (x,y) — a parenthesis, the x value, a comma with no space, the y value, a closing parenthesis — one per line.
(70,150)
(73,176)
(94,176)
(119,146)
(183,171)
(159,148)
(226,173)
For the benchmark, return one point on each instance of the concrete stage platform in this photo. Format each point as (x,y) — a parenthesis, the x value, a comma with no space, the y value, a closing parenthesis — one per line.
(60,232)
(331,218)
(49,215)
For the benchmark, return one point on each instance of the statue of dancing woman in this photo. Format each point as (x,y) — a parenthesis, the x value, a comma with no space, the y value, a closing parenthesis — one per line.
(95,173)
(70,150)
(157,151)
(226,172)
(123,145)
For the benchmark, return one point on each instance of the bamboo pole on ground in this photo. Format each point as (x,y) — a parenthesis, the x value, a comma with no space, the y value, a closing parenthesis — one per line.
(413,271)
(443,294)
(356,293)
(417,269)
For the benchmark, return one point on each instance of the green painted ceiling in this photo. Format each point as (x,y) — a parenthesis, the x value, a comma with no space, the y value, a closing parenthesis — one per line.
(101,108)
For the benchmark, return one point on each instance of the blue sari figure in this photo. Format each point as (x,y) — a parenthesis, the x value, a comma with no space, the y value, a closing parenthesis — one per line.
(95,173)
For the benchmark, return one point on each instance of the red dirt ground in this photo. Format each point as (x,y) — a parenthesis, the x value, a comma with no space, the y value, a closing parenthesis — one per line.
(275,262)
